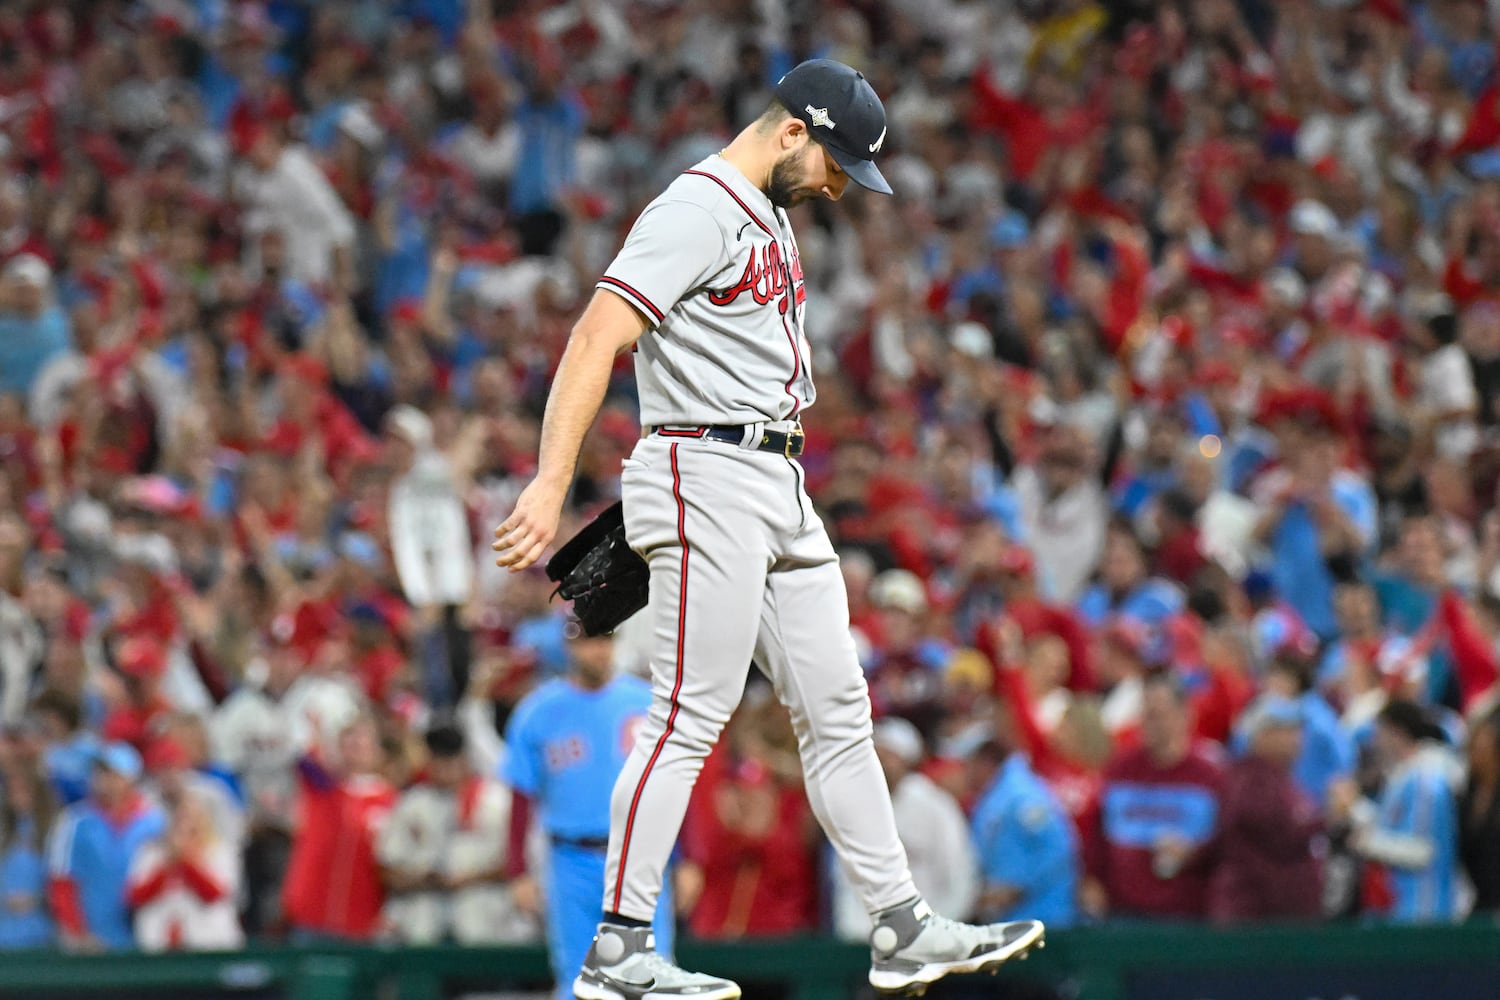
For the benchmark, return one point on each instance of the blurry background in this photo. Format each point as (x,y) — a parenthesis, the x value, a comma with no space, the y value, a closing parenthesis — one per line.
(1157,428)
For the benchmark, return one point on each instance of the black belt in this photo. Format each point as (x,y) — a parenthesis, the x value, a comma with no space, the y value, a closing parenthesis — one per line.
(788,443)
(585,843)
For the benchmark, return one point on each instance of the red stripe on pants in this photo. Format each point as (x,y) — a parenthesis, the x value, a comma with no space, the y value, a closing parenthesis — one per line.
(676,686)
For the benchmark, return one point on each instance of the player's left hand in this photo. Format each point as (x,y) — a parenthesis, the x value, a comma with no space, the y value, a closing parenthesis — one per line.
(524,536)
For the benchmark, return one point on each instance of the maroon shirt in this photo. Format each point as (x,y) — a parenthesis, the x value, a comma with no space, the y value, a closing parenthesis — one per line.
(1141,803)
(1267,869)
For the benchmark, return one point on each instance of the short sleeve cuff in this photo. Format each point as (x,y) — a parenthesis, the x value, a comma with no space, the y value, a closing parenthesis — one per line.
(634,296)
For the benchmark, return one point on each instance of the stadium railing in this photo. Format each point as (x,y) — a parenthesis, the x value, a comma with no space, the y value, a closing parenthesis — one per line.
(1106,963)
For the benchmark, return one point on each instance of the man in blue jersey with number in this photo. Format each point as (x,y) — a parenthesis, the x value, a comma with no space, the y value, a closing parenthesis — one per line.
(567,741)
(1412,831)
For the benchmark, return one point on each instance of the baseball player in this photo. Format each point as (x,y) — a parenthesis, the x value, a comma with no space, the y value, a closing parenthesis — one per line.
(566,742)
(708,288)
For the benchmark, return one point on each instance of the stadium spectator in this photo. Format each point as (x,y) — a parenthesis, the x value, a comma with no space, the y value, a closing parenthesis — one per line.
(27,809)
(1327,753)
(443,853)
(1479,814)
(91,849)
(33,327)
(550,121)
(1446,404)
(333,885)
(21,638)
(254,736)
(1154,848)
(1023,604)
(943,859)
(183,887)
(1312,508)
(173,774)
(430,539)
(68,749)
(1356,608)
(1408,592)
(903,679)
(140,717)
(1411,832)
(1120,665)
(1028,846)
(1267,867)
(291,210)
(1125,586)
(1063,505)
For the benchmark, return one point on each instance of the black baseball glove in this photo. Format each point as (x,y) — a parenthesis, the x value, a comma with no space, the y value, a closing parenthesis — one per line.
(599,572)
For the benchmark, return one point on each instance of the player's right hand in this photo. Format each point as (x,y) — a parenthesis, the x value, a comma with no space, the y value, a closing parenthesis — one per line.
(524,536)
(526,895)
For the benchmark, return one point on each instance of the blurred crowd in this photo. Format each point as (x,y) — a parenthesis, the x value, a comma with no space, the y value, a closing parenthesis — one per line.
(1157,429)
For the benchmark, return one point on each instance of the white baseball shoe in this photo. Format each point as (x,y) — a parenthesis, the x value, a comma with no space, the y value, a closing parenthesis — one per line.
(623,964)
(911,947)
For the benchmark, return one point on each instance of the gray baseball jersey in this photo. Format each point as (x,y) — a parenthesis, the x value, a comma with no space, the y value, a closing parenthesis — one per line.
(742,569)
(713,266)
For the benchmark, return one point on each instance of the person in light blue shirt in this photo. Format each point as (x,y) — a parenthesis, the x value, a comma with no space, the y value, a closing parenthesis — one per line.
(1409,593)
(565,745)
(551,121)
(1328,751)
(1028,847)
(24,815)
(1314,509)
(1126,589)
(1413,829)
(33,328)
(71,748)
(1328,754)
(91,848)
(544,637)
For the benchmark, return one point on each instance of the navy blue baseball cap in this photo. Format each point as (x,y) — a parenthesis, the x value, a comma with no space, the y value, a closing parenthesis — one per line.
(841,111)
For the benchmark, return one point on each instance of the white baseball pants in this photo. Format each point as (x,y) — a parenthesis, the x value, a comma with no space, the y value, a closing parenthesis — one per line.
(741,570)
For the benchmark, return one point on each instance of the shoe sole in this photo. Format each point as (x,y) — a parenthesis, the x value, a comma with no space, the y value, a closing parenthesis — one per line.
(914,984)
(594,991)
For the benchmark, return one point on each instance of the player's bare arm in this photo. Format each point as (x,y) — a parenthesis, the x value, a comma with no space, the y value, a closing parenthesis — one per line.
(608,326)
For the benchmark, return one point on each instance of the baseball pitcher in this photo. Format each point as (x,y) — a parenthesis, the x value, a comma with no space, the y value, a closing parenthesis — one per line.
(708,288)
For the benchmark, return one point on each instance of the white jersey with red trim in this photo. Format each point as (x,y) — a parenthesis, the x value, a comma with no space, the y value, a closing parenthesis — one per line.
(713,267)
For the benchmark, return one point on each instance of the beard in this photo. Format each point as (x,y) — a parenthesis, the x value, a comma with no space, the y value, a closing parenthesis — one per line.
(783,190)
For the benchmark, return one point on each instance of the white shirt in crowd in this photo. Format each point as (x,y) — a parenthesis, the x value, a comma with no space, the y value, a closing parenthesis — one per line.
(21,650)
(252,736)
(1066,533)
(1447,386)
(432,832)
(430,534)
(177,917)
(260,737)
(295,199)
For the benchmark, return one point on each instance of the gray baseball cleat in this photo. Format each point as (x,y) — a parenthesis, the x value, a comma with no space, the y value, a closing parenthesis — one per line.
(911,947)
(623,964)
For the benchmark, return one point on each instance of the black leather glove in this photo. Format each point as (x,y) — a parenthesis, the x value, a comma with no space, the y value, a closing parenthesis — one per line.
(599,572)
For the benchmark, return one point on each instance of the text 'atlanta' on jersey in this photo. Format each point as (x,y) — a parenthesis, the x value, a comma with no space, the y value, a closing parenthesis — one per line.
(715,269)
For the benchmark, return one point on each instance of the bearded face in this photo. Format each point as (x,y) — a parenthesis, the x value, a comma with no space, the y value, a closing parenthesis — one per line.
(788,180)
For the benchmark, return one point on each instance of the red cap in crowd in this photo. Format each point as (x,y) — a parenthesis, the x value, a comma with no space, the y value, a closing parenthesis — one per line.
(142,657)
